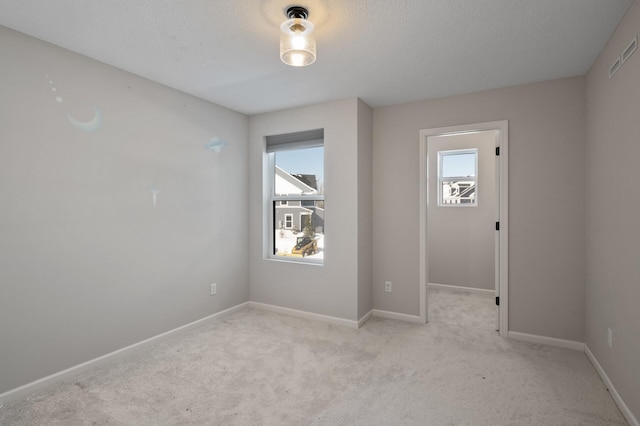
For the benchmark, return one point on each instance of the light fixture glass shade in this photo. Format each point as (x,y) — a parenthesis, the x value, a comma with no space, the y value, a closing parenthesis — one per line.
(297,42)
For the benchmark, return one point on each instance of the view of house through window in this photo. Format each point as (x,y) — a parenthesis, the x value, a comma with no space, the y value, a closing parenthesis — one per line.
(457,177)
(297,199)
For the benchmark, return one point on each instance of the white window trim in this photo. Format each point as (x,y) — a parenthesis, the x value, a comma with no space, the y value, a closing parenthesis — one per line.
(441,179)
(290,216)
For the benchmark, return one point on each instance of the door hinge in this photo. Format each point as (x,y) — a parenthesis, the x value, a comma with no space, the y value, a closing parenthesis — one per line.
(497,300)
(497,150)
(497,226)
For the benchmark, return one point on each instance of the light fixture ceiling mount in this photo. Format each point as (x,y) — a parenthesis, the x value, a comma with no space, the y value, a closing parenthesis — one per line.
(297,41)
(297,12)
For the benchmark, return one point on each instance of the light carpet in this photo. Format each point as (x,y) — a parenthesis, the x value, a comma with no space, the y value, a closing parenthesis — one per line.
(260,368)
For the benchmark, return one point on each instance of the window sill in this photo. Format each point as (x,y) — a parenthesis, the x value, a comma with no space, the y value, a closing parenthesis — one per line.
(295,260)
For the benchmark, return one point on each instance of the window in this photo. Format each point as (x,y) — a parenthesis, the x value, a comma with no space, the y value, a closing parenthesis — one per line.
(296,196)
(457,177)
(288,221)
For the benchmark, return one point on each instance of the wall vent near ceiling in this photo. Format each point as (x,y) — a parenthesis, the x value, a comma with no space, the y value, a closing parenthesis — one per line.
(626,54)
(615,67)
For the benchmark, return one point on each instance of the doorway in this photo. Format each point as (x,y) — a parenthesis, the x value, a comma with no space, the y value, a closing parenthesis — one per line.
(463,188)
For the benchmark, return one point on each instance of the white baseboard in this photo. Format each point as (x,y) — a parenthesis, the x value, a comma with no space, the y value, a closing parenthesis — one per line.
(543,340)
(365,318)
(304,314)
(396,316)
(626,412)
(29,388)
(459,288)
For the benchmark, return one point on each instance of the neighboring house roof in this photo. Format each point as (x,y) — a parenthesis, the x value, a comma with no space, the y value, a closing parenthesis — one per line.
(289,184)
(309,180)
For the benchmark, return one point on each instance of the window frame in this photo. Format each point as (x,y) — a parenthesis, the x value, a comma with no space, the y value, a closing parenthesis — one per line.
(442,180)
(273,200)
(290,221)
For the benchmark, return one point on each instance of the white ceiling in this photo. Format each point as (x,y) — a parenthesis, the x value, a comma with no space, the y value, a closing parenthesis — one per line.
(383,51)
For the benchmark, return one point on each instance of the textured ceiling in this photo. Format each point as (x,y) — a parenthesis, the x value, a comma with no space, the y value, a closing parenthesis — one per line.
(383,51)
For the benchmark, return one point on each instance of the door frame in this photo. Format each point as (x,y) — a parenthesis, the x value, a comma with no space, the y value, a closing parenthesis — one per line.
(502,195)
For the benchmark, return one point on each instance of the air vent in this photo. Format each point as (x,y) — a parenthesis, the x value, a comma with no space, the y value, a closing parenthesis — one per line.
(614,67)
(630,49)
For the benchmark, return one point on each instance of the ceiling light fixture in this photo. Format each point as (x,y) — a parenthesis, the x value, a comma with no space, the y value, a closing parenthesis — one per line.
(297,42)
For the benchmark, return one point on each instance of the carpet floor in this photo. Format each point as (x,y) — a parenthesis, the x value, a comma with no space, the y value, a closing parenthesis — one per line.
(259,368)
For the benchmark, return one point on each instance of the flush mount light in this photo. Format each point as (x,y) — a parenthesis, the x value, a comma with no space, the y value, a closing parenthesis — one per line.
(297,42)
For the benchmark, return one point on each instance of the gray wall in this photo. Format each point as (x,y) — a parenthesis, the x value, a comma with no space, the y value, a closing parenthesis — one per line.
(546,209)
(462,239)
(613,212)
(87,264)
(331,289)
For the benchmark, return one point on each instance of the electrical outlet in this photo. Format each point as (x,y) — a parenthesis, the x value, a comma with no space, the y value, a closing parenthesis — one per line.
(610,337)
(214,289)
(388,286)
